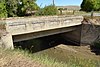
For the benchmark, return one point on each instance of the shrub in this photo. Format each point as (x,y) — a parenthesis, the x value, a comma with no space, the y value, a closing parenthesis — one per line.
(48,10)
(3,12)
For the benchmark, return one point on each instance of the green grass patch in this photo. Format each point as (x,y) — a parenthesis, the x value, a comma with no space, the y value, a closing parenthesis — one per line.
(72,61)
(51,62)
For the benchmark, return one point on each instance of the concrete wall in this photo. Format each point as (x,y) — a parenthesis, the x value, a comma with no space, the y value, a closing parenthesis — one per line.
(90,33)
(23,37)
(24,26)
(7,41)
(86,34)
(73,36)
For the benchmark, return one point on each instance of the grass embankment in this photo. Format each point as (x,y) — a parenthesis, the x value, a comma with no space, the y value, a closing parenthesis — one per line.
(10,58)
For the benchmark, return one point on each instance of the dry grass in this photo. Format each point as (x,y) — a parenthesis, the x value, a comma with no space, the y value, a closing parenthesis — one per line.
(21,58)
(9,58)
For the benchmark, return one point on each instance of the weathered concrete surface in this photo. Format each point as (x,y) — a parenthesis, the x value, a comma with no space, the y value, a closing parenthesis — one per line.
(23,37)
(7,41)
(90,31)
(0,43)
(74,36)
(85,34)
(34,27)
(29,25)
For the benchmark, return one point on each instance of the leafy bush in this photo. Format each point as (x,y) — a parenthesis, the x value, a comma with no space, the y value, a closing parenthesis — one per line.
(12,8)
(48,10)
(3,12)
(27,5)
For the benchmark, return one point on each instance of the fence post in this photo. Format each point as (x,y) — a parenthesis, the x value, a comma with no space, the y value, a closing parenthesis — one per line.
(92,14)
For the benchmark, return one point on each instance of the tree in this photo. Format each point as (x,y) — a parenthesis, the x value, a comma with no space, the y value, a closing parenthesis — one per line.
(3,12)
(26,5)
(17,7)
(89,5)
(11,6)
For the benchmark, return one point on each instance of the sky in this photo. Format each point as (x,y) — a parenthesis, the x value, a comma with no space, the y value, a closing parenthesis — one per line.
(42,3)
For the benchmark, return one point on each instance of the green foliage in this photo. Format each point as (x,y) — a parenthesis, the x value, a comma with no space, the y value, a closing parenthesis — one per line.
(89,5)
(3,12)
(12,8)
(45,59)
(48,10)
(26,5)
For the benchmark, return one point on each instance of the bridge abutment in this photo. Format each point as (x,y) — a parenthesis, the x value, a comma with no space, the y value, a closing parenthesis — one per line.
(7,41)
(73,36)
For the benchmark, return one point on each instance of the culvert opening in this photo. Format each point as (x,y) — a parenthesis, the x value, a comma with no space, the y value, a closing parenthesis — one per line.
(43,43)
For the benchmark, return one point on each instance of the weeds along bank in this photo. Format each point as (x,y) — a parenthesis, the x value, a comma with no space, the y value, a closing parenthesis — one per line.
(17,58)
(9,58)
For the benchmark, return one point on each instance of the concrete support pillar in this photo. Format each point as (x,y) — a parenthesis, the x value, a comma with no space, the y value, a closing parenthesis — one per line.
(7,41)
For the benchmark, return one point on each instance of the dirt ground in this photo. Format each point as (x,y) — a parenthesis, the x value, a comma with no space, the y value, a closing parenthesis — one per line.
(80,51)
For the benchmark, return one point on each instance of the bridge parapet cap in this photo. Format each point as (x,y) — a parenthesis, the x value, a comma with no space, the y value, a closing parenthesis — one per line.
(39,17)
(44,18)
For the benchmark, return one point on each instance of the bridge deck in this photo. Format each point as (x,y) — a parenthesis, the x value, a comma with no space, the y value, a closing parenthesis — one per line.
(35,24)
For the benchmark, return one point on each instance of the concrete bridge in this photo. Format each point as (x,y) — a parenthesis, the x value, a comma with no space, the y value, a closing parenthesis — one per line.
(19,29)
